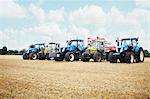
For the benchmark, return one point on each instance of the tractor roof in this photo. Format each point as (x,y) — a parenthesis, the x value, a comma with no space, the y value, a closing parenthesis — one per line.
(130,39)
(78,40)
(40,44)
(53,43)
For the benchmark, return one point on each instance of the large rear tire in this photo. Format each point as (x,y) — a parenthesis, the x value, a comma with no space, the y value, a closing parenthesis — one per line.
(83,58)
(33,56)
(41,56)
(129,57)
(97,57)
(69,56)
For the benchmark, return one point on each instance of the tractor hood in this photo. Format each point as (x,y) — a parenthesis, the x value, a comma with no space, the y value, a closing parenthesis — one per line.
(92,48)
(32,50)
(68,48)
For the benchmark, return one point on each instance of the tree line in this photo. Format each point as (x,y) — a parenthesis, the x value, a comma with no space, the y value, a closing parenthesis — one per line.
(5,51)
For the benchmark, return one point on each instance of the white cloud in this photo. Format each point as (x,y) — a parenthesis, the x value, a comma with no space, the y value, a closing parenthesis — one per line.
(10,9)
(56,15)
(37,12)
(143,3)
(112,24)
(89,21)
(88,15)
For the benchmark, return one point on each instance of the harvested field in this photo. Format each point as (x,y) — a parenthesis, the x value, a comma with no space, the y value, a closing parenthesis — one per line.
(29,79)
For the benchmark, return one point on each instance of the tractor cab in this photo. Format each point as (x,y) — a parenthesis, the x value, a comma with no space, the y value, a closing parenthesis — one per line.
(40,47)
(128,44)
(52,47)
(75,45)
(36,48)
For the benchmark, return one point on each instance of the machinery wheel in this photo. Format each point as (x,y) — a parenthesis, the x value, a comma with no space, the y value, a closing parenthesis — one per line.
(33,56)
(47,56)
(25,56)
(97,57)
(111,58)
(69,56)
(129,57)
(140,57)
(83,58)
(41,56)
(78,56)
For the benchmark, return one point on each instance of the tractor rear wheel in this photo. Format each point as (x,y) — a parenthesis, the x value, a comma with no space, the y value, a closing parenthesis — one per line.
(33,56)
(97,57)
(69,56)
(41,56)
(129,57)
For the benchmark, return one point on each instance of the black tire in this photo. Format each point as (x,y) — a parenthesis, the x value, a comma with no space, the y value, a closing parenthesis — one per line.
(111,58)
(33,56)
(47,56)
(129,57)
(140,57)
(25,56)
(121,58)
(83,58)
(78,55)
(41,56)
(97,57)
(70,56)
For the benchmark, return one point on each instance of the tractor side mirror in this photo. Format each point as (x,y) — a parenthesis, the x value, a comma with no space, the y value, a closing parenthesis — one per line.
(117,42)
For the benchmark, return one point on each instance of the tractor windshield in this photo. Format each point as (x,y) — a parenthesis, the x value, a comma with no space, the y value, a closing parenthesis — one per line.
(97,44)
(51,47)
(77,43)
(126,42)
(39,46)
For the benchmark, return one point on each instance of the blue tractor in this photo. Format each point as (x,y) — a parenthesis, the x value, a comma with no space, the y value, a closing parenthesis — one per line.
(33,51)
(129,51)
(72,52)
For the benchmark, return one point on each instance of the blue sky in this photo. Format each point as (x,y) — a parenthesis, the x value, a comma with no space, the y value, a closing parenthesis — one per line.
(24,22)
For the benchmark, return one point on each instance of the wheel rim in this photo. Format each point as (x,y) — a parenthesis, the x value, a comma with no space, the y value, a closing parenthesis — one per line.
(132,58)
(34,56)
(98,58)
(71,57)
(141,56)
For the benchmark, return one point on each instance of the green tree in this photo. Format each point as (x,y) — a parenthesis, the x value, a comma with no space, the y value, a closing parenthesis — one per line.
(4,50)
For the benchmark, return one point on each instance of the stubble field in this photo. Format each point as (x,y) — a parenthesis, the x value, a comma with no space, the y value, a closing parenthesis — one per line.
(32,79)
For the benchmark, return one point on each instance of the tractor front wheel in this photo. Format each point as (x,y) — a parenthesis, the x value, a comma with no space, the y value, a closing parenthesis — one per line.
(25,56)
(112,58)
